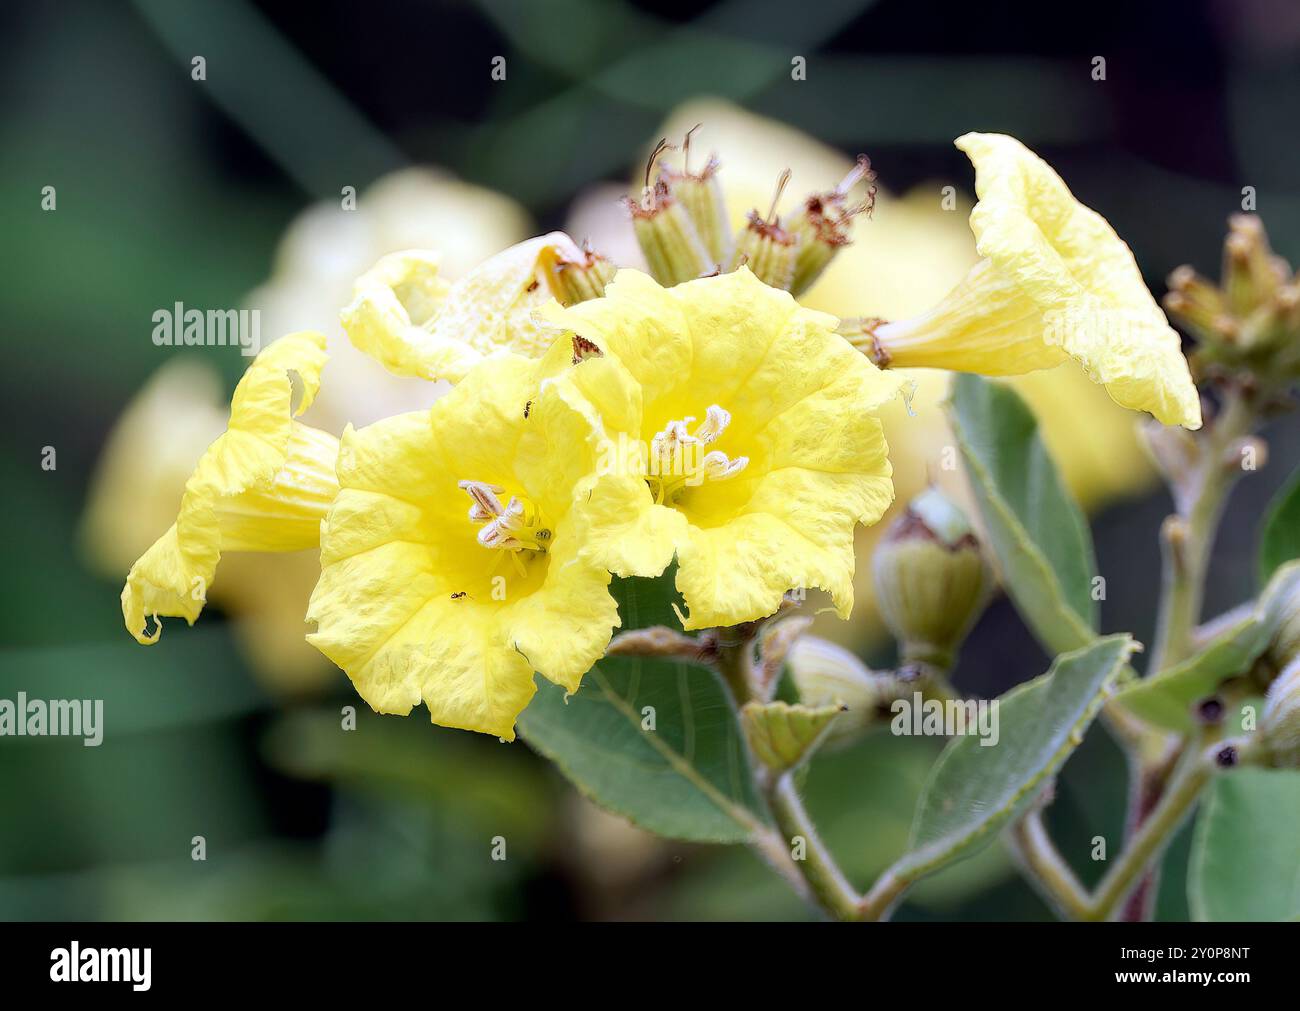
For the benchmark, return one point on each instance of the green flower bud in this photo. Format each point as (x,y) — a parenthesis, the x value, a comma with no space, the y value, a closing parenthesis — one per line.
(1279,725)
(1251,272)
(825,225)
(700,194)
(766,248)
(1250,322)
(1198,305)
(667,237)
(932,580)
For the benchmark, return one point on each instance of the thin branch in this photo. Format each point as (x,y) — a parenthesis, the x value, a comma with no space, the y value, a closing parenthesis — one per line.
(825,879)
(1051,875)
(1045,868)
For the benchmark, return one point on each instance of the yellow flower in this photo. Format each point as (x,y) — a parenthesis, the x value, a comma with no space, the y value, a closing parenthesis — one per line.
(261,486)
(450,569)
(901,262)
(1054,283)
(736,432)
(324,249)
(414,324)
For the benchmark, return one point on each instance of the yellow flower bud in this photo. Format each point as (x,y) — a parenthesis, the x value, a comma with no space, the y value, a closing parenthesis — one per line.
(577,274)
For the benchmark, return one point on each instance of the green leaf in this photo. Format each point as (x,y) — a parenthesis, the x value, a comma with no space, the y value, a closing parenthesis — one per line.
(1167,699)
(689,776)
(1034,527)
(1245,862)
(975,789)
(1279,540)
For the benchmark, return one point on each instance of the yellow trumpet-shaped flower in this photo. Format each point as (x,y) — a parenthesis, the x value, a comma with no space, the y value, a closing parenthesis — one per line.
(263,485)
(134,494)
(414,324)
(450,568)
(1054,283)
(736,432)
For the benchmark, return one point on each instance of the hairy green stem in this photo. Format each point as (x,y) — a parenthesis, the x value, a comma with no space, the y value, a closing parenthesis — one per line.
(1187,537)
(879,902)
(735,662)
(1186,542)
(1052,875)
(1046,869)
(1150,839)
(827,882)
(816,876)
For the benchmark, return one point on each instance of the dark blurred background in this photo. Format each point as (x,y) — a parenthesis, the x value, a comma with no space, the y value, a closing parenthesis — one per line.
(171,190)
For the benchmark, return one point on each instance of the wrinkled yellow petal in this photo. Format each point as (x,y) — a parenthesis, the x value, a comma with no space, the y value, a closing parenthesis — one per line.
(263,485)
(413,324)
(411,605)
(801,405)
(1055,283)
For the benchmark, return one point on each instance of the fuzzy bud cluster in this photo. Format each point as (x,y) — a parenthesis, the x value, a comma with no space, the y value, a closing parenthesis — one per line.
(1249,323)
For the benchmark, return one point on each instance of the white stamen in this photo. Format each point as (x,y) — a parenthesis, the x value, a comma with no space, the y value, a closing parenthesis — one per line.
(512,527)
(718,466)
(675,462)
(716,421)
(486,504)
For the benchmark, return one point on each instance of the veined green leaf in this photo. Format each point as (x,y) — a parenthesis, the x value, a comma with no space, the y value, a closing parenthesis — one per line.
(1034,527)
(975,789)
(655,740)
(1245,861)
(1279,540)
(1167,698)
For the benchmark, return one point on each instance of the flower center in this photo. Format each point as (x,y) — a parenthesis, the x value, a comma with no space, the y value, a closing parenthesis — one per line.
(679,458)
(516,527)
